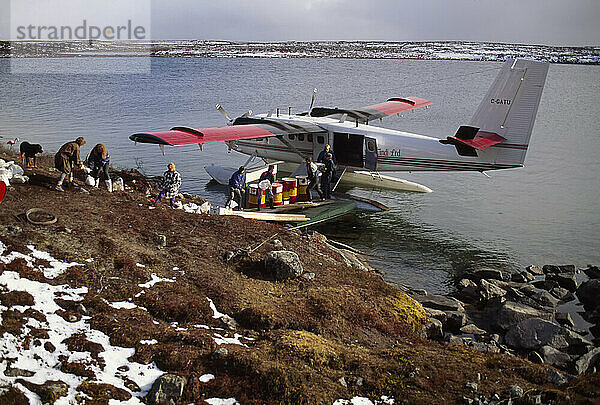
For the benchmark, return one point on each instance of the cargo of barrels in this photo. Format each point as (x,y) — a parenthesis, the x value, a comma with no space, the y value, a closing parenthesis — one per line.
(292,189)
(253,198)
(302,188)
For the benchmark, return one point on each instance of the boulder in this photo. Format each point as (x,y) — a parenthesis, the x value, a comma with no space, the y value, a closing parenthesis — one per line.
(486,273)
(515,391)
(588,361)
(544,298)
(545,284)
(283,264)
(433,330)
(488,291)
(564,318)
(439,302)
(455,320)
(436,314)
(472,329)
(552,268)
(484,347)
(522,277)
(534,333)
(565,280)
(557,378)
(49,392)
(562,294)
(554,357)
(592,271)
(167,389)
(589,293)
(533,269)
(511,313)
(467,290)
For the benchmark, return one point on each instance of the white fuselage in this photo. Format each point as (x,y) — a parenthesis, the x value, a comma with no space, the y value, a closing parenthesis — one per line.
(353,147)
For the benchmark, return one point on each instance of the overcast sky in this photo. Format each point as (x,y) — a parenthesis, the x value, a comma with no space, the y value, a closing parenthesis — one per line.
(551,22)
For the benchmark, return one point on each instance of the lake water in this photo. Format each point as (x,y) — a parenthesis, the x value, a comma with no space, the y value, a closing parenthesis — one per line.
(547,212)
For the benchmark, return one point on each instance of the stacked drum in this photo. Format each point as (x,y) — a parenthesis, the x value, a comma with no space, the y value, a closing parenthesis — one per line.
(290,190)
(302,188)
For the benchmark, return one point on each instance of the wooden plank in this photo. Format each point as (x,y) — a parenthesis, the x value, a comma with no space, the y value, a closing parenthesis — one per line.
(264,216)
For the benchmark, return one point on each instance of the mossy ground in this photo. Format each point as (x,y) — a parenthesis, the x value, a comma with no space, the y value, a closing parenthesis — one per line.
(343,334)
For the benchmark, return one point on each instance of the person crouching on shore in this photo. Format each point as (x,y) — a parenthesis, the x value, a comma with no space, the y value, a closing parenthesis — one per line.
(98,162)
(169,185)
(66,158)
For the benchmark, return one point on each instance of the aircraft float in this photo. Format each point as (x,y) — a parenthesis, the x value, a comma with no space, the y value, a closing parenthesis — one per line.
(497,137)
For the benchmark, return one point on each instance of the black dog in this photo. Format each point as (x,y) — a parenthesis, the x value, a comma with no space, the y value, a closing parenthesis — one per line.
(29,151)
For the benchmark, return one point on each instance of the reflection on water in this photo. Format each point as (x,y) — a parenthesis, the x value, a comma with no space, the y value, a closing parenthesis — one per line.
(411,253)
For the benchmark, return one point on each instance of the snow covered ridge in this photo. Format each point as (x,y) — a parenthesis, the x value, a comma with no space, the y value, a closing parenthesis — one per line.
(446,50)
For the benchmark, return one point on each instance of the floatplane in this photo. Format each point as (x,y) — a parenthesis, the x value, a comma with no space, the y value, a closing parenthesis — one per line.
(497,137)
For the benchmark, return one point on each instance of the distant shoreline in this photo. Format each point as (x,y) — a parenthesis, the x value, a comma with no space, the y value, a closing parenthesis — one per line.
(427,50)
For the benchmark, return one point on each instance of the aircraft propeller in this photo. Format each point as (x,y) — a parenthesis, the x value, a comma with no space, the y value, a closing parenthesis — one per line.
(312,101)
(230,121)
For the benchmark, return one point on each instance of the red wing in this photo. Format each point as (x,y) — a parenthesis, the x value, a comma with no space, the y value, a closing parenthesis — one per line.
(189,136)
(394,105)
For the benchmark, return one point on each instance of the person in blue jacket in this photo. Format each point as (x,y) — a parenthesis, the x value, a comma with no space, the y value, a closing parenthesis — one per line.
(328,171)
(327,149)
(236,187)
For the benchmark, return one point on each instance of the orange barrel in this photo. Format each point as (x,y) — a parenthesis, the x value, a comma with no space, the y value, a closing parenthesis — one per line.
(292,184)
(277,194)
(254,194)
(302,188)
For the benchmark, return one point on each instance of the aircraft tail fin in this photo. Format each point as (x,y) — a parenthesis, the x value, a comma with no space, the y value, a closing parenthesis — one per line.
(504,119)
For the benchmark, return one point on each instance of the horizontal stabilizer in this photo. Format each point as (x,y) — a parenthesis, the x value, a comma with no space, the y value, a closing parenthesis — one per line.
(469,139)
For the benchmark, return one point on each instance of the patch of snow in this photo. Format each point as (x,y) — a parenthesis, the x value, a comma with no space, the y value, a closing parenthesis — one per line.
(235,340)
(149,342)
(56,267)
(216,314)
(155,279)
(46,365)
(206,378)
(123,305)
(221,401)
(140,265)
(365,401)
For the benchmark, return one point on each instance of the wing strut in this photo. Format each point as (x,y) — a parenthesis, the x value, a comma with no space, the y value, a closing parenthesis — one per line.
(339,179)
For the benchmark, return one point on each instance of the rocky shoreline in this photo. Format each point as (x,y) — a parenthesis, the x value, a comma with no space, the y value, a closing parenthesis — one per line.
(519,314)
(223,310)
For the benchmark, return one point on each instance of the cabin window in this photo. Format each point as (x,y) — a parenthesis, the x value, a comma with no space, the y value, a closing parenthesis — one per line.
(371,146)
(291,136)
(301,137)
(321,139)
(309,138)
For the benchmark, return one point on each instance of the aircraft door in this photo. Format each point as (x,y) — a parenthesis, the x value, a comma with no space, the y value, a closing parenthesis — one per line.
(370,153)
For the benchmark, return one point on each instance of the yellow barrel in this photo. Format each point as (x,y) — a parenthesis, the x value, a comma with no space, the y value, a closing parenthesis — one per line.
(277,194)
(253,196)
(302,188)
(291,184)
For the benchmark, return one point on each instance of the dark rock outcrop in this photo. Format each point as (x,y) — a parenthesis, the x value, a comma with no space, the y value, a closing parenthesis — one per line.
(283,264)
(166,390)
